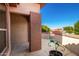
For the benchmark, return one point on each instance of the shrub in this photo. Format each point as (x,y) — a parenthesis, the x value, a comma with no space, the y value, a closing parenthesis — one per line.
(45,28)
(68,29)
(76,28)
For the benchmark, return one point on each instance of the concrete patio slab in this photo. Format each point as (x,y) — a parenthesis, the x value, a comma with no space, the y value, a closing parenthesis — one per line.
(43,52)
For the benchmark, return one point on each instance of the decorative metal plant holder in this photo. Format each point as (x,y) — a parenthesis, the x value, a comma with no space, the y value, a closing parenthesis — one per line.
(54,52)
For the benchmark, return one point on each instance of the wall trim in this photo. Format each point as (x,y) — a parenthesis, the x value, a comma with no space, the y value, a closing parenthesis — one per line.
(3,51)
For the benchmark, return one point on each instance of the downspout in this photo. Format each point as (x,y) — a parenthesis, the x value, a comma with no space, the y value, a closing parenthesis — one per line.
(8,29)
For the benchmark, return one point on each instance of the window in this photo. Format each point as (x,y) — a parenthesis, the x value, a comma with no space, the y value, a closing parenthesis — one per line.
(2,30)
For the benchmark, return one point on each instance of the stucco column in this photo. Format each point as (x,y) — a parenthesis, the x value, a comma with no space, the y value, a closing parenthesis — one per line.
(8,29)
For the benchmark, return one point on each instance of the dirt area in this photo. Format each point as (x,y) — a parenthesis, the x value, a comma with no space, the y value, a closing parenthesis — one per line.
(72,35)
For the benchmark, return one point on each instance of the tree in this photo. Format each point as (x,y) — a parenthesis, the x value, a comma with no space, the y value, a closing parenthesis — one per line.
(68,29)
(45,28)
(76,28)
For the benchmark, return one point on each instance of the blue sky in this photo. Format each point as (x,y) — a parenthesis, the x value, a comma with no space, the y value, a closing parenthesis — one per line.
(58,15)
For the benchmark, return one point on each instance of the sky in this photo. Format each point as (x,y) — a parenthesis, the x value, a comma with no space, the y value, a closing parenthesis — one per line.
(58,15)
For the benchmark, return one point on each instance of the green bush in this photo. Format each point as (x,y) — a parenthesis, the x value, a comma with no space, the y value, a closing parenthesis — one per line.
(68,29)
(76,28)
(45,28)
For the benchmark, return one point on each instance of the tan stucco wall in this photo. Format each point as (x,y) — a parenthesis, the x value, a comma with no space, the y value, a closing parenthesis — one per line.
(24,8)
(2,7)
(69,40)
(71,43)
(19,30)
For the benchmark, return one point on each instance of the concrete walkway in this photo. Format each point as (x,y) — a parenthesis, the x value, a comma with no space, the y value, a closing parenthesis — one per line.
(43,52)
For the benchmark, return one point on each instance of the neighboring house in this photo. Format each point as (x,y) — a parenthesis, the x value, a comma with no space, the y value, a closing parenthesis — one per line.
(20,23)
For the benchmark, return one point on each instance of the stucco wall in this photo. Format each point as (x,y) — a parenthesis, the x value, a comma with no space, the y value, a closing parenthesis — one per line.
(52,36)
(24,8)
(71,43)
(68,40)
(2,7)
(45,35)
(19,31)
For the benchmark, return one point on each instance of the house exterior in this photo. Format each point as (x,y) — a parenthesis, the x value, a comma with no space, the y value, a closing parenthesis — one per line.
(20,23)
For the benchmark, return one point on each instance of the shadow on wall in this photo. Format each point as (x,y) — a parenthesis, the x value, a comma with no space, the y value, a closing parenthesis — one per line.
(73,48)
